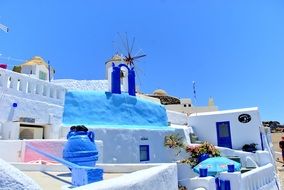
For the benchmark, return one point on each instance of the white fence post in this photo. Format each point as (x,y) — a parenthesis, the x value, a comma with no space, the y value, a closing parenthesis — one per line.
(234,178)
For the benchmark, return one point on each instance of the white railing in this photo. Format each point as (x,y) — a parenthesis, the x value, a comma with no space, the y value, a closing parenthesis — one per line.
(32,88)
(262,178)
(259,178)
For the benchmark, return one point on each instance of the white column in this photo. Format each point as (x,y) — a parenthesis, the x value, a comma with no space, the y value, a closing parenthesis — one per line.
(31,87)
(14,83)
(109,78)
(23,85)
(234,178)
(52,92)
(46,91)
(39,89)
(124,81)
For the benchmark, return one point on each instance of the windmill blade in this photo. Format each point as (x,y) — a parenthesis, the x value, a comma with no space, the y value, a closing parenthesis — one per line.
(116,47)
(127,44)
(138,52)
(139,73)
(139,56)
(139,82)
(123,42)
(139,70)
(4,28)
(132,45)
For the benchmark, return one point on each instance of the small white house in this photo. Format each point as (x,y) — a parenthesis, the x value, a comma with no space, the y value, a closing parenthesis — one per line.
(182,105)
(186,106)
(229,128)
(37,68)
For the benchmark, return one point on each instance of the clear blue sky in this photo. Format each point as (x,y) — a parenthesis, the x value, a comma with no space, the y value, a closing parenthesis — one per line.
(234,50)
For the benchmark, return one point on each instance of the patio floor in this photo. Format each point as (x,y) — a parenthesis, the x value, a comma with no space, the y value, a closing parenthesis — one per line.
(55,180)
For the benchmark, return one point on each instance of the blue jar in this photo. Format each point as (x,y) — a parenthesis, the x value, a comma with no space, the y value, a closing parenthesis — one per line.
(80,148)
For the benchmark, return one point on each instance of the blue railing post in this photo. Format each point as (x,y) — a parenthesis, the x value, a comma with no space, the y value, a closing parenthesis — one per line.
(224,185)
(81,175)
(115,80)
(131,82)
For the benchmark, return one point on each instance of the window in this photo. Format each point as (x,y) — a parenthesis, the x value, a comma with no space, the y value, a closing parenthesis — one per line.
(184,105)
(224,130)
(42,75)
(144,153)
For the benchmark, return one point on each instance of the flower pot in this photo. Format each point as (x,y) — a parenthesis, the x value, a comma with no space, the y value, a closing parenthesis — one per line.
(203,157)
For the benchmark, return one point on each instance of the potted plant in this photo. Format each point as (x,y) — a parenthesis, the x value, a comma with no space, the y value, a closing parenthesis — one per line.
(175,142)
(249,147)
(195,154)
(201,152)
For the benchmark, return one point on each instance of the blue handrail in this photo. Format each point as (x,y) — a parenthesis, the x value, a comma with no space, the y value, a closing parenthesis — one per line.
(61,160)
(81,175)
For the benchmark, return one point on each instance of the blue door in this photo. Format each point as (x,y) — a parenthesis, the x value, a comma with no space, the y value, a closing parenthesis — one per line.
(224,134)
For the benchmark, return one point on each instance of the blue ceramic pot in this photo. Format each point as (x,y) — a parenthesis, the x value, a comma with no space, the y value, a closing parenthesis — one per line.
(80,148)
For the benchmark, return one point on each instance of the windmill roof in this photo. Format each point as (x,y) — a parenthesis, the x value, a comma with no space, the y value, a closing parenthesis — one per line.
(116,57)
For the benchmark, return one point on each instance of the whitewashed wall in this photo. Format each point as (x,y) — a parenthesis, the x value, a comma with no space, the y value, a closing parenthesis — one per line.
(122,145)
(18,148)
(35,99)
(163,177)
(12,178)
(177,118)
(71,84)
(204,126)
(190,110)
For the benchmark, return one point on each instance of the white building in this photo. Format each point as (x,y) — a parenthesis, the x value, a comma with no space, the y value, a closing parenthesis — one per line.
(228,128)
(116,60)
(29,103)
(37,68)
(33,108)
(183,105)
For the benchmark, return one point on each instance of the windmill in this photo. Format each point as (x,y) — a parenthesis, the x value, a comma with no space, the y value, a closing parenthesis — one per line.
(125,55)
(129,59)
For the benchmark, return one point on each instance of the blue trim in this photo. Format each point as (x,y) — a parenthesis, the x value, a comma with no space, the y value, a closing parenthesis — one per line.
(224,184)
(224,141)
(81,175)
(262,147)
(147,149)
(115,79)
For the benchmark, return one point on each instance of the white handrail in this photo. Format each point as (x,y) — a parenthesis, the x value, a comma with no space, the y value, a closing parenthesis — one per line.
(21,84)
(258,178)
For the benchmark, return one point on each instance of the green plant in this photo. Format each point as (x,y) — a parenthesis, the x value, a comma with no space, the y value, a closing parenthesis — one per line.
(174,141)
(197,150)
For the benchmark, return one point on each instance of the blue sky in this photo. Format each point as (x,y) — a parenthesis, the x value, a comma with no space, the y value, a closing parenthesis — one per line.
(234,50)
